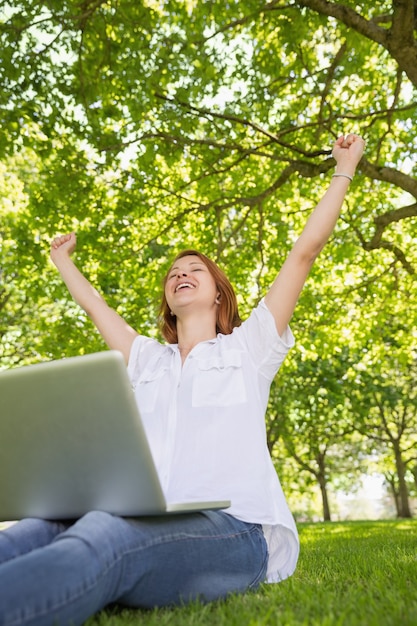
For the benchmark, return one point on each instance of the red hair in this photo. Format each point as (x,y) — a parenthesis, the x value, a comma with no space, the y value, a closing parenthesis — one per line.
(227,311)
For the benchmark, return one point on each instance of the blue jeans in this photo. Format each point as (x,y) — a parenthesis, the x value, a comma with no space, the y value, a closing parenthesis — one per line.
(53,573)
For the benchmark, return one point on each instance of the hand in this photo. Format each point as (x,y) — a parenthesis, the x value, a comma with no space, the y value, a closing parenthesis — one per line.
(348,151)
(64,244)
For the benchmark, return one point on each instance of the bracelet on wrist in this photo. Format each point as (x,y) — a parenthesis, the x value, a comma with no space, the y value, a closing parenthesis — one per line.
(343,175)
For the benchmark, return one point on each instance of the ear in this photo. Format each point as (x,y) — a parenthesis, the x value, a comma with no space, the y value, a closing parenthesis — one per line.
(217,300)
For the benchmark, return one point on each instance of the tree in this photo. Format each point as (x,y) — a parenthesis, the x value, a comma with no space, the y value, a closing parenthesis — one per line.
(224,92)
(147,127)
(386,401)
(392,26)
(308,415)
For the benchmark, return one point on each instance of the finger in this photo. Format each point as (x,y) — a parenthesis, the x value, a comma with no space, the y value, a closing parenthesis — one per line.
(351,138)
(58,241)
(348,140)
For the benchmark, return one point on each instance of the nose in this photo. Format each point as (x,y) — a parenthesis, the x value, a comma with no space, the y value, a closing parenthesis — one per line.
(181,273)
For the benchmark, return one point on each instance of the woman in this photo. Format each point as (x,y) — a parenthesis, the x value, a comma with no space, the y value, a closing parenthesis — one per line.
(203,397)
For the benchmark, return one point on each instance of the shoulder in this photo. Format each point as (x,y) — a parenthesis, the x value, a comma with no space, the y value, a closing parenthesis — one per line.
(258,336)
(143,351)
(260,325)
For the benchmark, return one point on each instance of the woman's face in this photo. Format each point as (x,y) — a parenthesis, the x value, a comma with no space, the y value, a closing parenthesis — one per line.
(190,283)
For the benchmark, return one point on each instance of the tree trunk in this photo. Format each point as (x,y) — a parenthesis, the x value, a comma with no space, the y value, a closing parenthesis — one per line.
(325,500)
(391,480)
(321,477)
(414,473)
(404,505)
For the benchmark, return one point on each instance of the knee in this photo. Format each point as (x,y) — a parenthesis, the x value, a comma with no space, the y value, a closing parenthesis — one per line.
(93,524)
(98,518)
(94,537)
(96,528)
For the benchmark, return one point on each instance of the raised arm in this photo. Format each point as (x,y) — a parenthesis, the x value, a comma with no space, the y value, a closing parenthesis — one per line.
(117,334)
(285,290)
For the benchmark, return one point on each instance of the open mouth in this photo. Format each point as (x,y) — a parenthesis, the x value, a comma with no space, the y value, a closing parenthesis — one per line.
(184,286)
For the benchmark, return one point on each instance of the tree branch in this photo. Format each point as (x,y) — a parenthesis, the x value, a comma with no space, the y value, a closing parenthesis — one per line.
(398,40)
(349,17)
(244,122)
(402,25)
(399,254)
(390,175)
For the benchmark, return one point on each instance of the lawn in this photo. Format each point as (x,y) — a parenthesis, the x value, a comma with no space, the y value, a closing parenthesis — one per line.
(349,574)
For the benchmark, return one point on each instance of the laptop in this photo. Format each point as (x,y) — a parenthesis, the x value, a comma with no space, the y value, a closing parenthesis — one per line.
(72,441)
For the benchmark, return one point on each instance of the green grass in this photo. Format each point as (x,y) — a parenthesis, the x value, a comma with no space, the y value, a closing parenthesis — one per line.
(349,574)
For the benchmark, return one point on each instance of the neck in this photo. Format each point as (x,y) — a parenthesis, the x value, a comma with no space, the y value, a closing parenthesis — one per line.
(193,331)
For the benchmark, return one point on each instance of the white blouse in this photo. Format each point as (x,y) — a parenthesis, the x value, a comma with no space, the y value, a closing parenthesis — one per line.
(205,421)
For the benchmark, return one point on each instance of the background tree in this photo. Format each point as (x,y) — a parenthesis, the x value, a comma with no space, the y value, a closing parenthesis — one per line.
(386,401)
(309,416)
(149,126)
(210,123)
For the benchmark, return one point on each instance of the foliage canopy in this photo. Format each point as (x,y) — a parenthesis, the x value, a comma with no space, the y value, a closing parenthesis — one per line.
(148,126)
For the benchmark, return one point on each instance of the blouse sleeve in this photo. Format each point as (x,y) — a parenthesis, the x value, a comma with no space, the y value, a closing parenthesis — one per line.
(266,347)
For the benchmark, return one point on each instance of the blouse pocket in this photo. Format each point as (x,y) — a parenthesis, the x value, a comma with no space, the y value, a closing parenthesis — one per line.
(219,381)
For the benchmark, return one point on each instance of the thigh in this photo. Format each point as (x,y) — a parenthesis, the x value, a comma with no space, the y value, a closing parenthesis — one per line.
(146,562)
(204,556)
(27,535)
